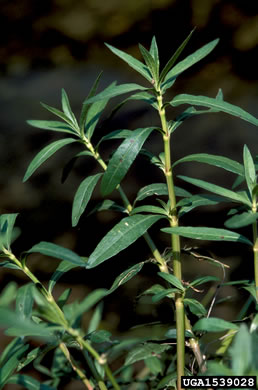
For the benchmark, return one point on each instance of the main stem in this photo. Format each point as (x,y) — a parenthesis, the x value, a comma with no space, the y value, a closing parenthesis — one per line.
(175,241)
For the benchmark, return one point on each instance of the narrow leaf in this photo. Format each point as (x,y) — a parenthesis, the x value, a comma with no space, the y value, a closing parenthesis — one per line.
(172,279)
(154,52)
(131,61)
(217,161)
(125,276)
(173,59)
(82,197)
(51,125)
(216,104)
(7,222)
(195,307)
(24,301)
(250,174)
(11,365)
(107,204)
(149,60)
(116,134)
(58,113)
(148,209)
(141,352)
(240,220)
(194,201)
(67,108)
(188,62)
(57,251)
(44,154)
(213,325)
(217,190)
(93,115)
(169,293)
(114,90)
(204,279)
(150,190)
(29,382)
(122,235)
(85,107)
(205,233)
(241,351)
(123,158)
(62,268)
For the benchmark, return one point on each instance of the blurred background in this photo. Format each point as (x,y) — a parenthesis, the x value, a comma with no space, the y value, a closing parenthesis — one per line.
(53,44)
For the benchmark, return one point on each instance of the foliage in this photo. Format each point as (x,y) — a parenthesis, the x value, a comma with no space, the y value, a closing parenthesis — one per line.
(31,311)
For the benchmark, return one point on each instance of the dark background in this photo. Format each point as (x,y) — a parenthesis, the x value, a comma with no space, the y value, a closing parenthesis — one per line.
(50,44)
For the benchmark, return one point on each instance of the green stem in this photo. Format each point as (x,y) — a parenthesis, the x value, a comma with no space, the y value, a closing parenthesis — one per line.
(176,251)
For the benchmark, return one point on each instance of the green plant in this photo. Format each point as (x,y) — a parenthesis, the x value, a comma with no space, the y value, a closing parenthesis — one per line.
(59,324)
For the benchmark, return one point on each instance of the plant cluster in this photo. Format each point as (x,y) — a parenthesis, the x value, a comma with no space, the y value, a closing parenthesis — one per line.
(92,355)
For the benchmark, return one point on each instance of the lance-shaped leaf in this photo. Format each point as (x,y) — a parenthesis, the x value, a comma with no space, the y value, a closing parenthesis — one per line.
(57,251)
(7,230)
(116,134)
(62,268)
(217,161)
(108,204)
(83,196)
(59,113)
(123,158)
(44,154)
(85,107)
(29,383)
(9,366)
(241,220)
(125,276)
(217,104)
(207,233)
(154,52)
(150,190)
(24,301)
(93,115)
(188,62)
(114,90)
(250,174)
(150,62)
(172,279)
(131,61)
(127,231)
(67,108)
(212,324)
(173,59)
(238,197)
(195,307)
(194,201)
(51,125)
(148,209)
(144,351)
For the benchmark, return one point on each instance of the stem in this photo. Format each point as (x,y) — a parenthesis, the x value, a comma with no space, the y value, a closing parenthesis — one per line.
(176,251)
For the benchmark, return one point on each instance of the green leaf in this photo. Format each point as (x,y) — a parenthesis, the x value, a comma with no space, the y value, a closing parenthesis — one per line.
(117,134)
(188,62)
(169,293)
(217,104)
(154,364)
(172,279)
(100,336)
(67,108)
(150,190)
(24,301)
(7,369)
(123,158)
(131,61)
(57,251)
(44,154)
(24,326)
(240,220)
(154,52)
(82,197)
(150,62)
(173,59)
(241,351)
(94,112)
(107,204)
(74,311)
(217,190)
(114,90)
(122,235)
(145,351)
(204,279)
(250,174)
(59,113)
(217,161)
(7,222)
(195,307)
(188,204)
(148,209)
(8,294)
(96,318)
(51,125)
(125,276)
(213,324)
(85,107)
(29,382)
(207,233)
(62,268)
